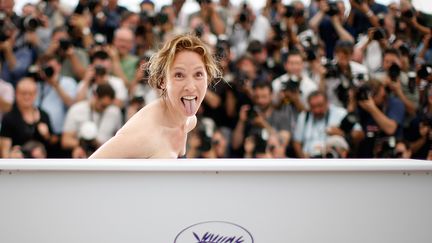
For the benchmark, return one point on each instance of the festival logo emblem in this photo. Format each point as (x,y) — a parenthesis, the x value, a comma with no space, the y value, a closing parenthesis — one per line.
(214,232)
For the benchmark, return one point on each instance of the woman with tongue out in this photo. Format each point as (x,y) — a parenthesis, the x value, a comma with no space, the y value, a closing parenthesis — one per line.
(181,71)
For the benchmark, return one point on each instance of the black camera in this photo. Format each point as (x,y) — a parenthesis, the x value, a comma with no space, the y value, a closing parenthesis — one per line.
(408,13)
(386,147)
(162,18)
(64,44)
(48,71)
(100,70)
(379,34)
(425,71)
(333,9)
(332,69)
(363,92)
(310,55)
(34,72)
(292,84)
(289,11)
(394,72)
(30,23)
(203,1)
(348,122)
(199,30)
(252,113)
(148,18)
(3,36)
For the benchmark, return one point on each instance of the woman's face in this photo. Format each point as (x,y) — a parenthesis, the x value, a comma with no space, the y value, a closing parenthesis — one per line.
(186,83)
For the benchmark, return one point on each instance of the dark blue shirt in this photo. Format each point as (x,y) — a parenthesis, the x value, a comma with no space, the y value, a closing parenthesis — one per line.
(361,22)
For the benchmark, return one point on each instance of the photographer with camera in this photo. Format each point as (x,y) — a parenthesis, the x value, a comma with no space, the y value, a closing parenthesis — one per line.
(209,14)
(90,123)
(294,76)
(363,15)
(314,126)
(331,25)
(6,97)
(19,43)
(74,60)
(419,133)
(259,115)
(25,122)
(342,75)
(56,92)
(99,72)
(380,116)
(398,82)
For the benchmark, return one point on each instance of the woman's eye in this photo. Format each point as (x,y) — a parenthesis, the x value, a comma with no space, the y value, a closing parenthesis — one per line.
(178,75)
(199,74)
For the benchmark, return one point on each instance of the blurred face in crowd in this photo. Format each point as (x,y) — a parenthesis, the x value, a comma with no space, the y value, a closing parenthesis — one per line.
(343,57)
(389,59)
(263,97)
(248,67)
(402,151)
(102,103)
(25,93)
(147,7)
(57,36)
(107,63)
(28,9)
(318,106)
(7,6)
(123,41)
(294,65)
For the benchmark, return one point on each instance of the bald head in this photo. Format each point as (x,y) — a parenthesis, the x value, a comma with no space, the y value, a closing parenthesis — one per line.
(124,40)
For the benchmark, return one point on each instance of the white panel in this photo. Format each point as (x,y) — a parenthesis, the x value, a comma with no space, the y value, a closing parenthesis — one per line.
(142,201)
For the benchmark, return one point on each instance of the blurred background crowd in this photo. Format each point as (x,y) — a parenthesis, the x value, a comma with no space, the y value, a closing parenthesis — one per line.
(327,79)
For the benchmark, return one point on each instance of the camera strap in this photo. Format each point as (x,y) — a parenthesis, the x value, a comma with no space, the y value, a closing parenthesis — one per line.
(308,114)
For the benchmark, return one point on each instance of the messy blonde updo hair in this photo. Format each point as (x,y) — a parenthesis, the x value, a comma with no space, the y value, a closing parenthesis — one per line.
(162,61)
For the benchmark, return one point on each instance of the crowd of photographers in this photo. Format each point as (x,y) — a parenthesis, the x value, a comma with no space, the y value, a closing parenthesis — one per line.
(324,80)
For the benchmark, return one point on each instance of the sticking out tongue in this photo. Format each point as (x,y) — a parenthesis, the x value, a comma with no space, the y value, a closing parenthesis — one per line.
(190,106)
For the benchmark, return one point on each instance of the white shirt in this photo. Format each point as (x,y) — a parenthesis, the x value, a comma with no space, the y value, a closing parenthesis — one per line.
(108,122)
(312,132)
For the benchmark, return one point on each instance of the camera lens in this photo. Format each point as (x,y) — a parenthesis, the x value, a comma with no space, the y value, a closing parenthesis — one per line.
(48,71)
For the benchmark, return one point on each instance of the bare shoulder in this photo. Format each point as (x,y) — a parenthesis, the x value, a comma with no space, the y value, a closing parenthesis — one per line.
(136,139)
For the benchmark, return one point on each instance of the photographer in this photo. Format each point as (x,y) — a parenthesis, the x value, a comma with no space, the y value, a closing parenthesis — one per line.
(6,97)
(398,81)
(294,67)
(363,15)
(74,60)
(56,92)
(380,116)
(18,47)
(419,133)
(260,115)
(331,25)
(124,63)
(99,73)
(314,126)
(342,75)
(89,124)
(209,14)
(25,122)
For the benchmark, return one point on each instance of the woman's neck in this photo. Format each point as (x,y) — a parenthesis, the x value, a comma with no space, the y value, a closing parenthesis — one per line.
(173,118)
